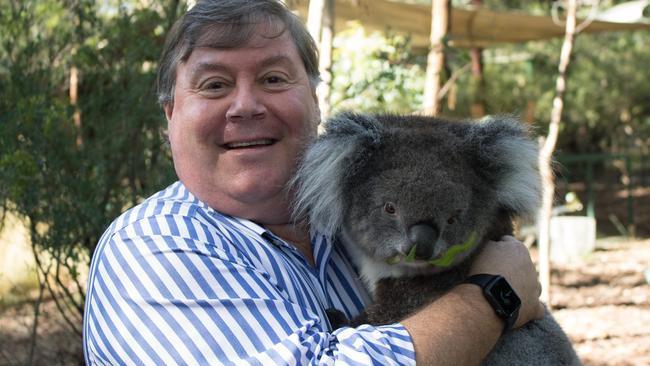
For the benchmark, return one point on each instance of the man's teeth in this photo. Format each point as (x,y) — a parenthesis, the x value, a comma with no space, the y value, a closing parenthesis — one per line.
(234,145)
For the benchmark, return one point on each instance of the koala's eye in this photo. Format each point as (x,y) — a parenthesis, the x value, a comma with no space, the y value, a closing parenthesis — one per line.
(389,208)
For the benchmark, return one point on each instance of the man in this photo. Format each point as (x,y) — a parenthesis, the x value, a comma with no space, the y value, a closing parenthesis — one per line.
(212,269)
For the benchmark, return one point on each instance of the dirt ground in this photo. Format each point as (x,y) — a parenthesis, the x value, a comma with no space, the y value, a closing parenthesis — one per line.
(56,343)
(603,303)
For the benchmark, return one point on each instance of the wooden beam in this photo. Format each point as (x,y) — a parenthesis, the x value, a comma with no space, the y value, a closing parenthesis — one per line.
(436,56)
(468,27)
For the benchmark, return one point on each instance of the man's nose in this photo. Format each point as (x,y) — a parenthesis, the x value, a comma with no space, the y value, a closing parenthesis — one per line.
(245,104)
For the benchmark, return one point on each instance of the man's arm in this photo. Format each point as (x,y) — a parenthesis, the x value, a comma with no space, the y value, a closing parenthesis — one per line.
(461,327)
(158,295)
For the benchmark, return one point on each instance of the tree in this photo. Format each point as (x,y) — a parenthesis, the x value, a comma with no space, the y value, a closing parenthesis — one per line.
(436,58)
(70,166)
(320,23)
(546,152)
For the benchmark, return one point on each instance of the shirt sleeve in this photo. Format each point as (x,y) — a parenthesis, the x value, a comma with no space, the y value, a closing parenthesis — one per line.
(159,298)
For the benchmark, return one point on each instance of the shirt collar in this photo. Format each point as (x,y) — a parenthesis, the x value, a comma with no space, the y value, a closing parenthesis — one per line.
(320,244)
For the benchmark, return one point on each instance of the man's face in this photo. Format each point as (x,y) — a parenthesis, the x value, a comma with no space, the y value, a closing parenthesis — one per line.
(240,119)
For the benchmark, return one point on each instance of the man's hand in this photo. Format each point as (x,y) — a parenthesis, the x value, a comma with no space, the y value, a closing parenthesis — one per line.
(460,328)
(511,259)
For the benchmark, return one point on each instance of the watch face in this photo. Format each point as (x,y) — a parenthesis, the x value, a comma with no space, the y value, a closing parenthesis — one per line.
(505,296)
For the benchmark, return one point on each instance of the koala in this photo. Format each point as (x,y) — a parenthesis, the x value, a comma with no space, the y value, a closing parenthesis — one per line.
(413,199)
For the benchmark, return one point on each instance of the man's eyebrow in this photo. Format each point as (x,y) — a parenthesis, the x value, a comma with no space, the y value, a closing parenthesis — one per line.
(277,59)
(203,67)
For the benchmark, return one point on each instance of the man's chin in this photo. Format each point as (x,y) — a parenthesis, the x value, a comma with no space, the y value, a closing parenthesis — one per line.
(269,210)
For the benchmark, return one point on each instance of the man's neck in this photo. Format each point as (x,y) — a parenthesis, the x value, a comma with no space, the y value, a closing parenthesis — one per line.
(297,235)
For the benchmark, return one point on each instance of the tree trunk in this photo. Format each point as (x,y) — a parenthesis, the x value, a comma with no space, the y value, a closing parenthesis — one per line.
(546,153)
(477,109)
(436,57)
(315,18)
(320,23)
(325,61)
(74,100)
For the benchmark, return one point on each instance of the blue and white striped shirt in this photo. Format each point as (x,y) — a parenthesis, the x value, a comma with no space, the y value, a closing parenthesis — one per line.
(173,281)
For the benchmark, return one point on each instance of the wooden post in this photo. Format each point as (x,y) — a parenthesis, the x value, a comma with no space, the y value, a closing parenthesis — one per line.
(436,57)
(546,153)
(320,23)
(74,99)
(477,108)
(325,61)
(315,18)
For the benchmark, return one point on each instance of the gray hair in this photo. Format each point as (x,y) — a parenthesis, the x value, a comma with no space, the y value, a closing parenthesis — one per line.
(230,24)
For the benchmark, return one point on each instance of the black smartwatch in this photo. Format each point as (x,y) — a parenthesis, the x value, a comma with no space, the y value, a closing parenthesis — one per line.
(500,295)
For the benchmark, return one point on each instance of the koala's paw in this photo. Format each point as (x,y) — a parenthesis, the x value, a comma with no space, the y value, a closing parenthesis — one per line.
(337,318)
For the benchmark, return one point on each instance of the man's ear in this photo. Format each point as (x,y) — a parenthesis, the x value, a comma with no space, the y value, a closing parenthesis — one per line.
(317,105)
(318,113)
(169,111)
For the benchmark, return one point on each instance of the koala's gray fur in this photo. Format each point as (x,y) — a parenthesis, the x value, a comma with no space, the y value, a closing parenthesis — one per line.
(443,181)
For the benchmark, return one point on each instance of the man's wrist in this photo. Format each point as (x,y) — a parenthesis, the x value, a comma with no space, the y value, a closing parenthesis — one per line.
(473,296)
(460,320)
(500,295)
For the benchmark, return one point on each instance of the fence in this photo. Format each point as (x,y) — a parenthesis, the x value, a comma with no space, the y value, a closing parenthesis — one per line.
(615,189)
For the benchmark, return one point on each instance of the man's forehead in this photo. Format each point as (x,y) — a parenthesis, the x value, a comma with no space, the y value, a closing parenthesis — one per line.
(276,52)
(203,56)
(255,35)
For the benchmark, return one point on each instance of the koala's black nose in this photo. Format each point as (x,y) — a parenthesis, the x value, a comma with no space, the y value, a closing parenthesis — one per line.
(424,236)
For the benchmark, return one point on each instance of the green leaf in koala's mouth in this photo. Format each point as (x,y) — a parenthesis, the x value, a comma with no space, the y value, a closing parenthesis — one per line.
(411,256)
(448,257)
(398,258)
(394,260)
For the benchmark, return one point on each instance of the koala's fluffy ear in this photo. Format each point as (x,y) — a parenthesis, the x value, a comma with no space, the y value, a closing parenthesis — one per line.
(319,182)
(507,156)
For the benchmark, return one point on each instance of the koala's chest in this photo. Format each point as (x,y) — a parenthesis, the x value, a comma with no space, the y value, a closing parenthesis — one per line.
(396,298)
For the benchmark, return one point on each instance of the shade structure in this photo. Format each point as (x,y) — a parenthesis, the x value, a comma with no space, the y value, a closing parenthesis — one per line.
(478,27)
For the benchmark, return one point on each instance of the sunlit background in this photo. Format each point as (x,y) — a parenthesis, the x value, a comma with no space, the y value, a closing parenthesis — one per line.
(82,139)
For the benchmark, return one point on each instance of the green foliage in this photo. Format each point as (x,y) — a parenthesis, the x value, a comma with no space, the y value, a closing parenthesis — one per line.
(68,175)
(375,73)
(606,99)
(70,180)
(606,107)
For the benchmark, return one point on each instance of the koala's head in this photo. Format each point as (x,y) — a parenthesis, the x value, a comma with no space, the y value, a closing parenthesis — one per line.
(417,191)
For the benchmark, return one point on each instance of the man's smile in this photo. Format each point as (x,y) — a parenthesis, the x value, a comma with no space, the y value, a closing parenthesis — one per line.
(249,144)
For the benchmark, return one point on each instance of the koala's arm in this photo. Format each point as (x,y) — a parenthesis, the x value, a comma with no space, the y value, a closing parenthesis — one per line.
(460,328)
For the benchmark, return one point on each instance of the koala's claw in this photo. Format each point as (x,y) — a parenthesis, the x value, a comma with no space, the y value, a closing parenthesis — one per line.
(337,318)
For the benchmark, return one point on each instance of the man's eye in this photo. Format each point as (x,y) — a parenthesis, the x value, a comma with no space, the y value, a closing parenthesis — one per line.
(213,85)
(213,88)
(274,79)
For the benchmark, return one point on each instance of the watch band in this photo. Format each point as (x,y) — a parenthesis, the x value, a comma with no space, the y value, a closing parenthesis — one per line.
(508,312)
(481,279)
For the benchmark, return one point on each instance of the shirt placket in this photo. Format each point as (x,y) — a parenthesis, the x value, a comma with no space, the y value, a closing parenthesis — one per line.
(316,275)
